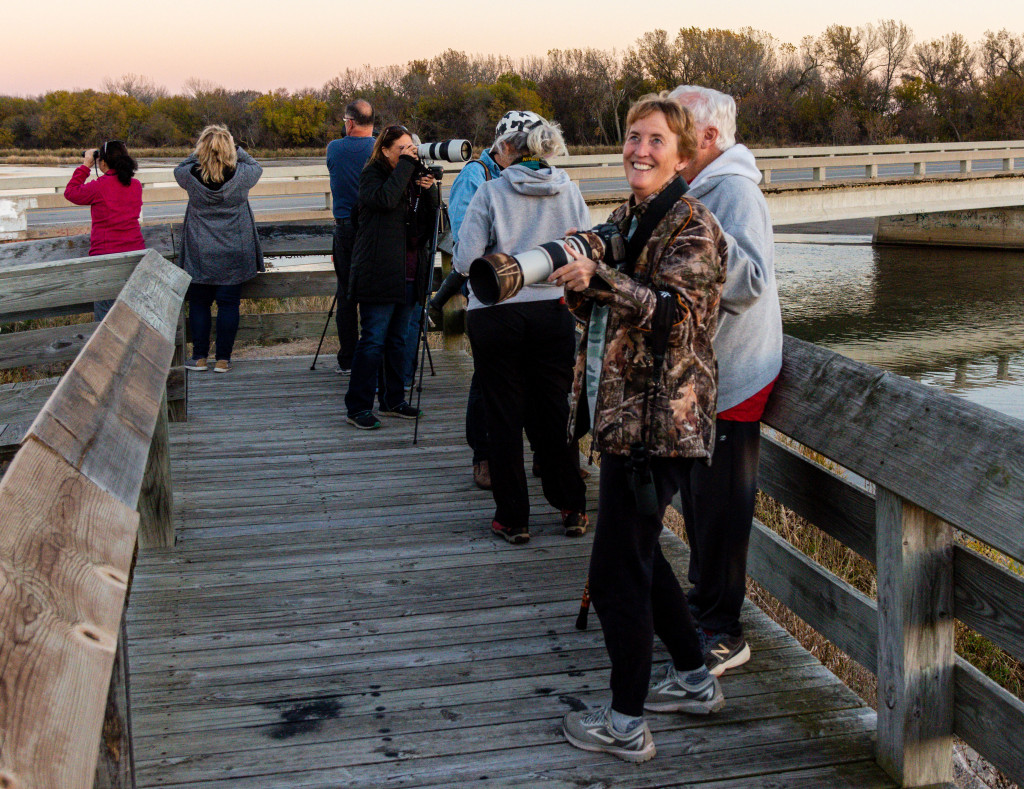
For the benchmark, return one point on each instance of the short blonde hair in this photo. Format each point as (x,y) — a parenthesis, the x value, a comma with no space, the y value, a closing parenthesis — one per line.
(216,153)
(679,120)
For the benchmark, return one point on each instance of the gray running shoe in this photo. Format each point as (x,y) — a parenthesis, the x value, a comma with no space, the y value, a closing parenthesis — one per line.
(669,692)
(592,731)
(724,652)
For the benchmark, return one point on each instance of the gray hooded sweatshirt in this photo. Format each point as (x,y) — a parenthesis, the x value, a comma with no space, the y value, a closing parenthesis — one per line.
(749,340)
(516,212)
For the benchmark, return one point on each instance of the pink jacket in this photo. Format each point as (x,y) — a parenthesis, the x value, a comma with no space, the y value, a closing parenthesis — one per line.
(115,210)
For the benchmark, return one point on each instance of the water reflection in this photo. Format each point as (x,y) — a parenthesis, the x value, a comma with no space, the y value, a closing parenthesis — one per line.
(949,318)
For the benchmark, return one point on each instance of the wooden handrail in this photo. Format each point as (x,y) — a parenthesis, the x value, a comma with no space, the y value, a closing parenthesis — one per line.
(68,529)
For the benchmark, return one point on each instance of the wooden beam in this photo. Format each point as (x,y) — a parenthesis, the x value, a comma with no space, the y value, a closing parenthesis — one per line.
(115,768)
(155,293)
(915,642)
(156,521)
(64,564)
(43,346)
(21,401)
(158,237)
(895,432)
(990,720)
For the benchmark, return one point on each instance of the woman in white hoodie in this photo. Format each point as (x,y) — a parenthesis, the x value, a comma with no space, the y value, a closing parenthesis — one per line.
(523,348)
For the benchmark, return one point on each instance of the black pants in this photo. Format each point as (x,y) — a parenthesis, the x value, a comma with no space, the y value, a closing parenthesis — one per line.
(634,590)
(346,315)
(476,422)
(718,506)
(524,355)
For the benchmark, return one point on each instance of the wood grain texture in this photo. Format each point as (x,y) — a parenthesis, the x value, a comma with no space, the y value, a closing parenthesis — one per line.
(990,720)
(22,400)
(158,237)
(156,291)
(296,238)
(115,768)
(282,284)
(897,433)
(43,346)
(101,415)
(65,552)
(988,599)
(915,642)
(156,525)
(36,287)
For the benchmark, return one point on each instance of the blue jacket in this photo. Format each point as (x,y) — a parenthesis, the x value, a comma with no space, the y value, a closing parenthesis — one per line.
(464,187)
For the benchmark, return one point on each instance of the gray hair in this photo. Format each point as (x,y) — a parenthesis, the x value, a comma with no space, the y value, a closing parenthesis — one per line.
(710,108)
(543,140)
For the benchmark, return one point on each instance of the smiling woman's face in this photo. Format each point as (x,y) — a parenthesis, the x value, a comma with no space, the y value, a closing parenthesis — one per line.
(651,155)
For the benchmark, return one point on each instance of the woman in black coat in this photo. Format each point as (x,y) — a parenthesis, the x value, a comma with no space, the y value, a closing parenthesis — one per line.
(394,221)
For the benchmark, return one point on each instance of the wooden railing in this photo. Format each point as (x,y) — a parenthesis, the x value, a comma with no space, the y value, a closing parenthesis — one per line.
(938,465)
(90,480)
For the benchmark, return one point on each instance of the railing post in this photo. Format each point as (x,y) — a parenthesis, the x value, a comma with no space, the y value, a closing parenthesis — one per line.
(178,405)
(766,176)
(819,174)
(915,642)
(965,166)
(453,321)
(870,170)
(1008,164)
(115,768)
(920,168)
(156,525)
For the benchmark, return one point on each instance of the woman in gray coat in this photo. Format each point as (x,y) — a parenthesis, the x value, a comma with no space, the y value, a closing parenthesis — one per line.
(220,247)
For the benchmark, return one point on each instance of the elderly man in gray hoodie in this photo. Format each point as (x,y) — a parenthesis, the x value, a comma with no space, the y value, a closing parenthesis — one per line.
(718,504)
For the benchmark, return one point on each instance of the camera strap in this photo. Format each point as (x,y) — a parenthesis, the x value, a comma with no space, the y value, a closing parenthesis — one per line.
(654,213)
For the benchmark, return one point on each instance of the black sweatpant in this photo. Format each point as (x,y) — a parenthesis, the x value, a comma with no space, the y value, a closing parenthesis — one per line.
(347,315)
(524,357)
(718,506)
(635,592)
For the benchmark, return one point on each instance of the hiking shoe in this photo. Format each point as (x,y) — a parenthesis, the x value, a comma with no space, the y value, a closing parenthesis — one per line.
(575,523)
(365,420)
(517,535)
(199,365)
(670,692)
(724,652)
(593,731)
(403,411)
(339,370)
(482,475)
(222,366)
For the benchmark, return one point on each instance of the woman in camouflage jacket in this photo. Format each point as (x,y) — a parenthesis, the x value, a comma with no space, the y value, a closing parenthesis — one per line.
(668,408)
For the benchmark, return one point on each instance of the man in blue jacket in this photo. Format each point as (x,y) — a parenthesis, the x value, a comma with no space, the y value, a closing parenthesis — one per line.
(718,503)
(345,160)
(488,166)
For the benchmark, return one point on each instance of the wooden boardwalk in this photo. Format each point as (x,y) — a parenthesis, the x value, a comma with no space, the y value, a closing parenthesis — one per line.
(337,614)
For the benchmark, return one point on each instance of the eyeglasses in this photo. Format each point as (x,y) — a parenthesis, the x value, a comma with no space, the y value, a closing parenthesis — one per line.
(348,119)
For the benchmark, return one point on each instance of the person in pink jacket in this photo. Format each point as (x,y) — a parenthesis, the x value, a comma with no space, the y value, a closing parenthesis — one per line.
(115,202)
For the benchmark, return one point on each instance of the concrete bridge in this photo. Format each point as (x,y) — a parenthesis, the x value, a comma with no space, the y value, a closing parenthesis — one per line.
(950,194)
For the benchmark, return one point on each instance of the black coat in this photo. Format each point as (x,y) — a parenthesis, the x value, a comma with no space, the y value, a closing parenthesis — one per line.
(378,254)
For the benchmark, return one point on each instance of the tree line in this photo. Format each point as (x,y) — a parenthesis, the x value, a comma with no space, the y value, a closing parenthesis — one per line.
(869,84)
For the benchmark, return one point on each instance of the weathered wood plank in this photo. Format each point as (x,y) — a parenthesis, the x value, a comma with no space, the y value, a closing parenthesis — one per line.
(64,561)
(158,237)
(156,524)
(988,599)
(115,768)
(21,401)
(282,284)
(156,292)
(845,616)
(101,415)
(43,346)
(296,238)
(915,642)
(990,720)
(896,433)
(30,289)
(269,327)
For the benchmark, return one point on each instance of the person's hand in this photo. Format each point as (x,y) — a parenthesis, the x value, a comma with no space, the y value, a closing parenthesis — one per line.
(575,275)
(88,158)
(425,182)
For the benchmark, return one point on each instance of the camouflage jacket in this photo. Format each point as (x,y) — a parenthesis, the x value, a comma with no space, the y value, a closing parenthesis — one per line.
(685,257)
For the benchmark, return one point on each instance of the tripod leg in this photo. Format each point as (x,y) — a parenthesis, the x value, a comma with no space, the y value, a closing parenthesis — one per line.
(330,313)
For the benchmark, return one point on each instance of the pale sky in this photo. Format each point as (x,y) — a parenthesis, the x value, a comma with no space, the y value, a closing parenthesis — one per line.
(266,44)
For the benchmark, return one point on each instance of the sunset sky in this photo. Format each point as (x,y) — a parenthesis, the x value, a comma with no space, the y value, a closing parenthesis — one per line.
(265,44)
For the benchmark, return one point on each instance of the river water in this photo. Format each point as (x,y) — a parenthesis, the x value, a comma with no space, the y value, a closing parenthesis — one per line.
(949,318)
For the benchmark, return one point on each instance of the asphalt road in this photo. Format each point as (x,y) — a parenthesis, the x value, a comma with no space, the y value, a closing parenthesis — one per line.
(270,205)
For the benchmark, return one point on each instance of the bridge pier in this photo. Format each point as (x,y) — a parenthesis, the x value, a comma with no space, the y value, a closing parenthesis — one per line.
(1001,228)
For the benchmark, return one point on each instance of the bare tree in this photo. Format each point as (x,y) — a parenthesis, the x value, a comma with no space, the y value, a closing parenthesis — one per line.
(135,86)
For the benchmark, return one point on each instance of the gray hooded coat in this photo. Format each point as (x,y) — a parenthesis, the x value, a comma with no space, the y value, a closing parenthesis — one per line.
(749,340)
(220,245)
(516,212)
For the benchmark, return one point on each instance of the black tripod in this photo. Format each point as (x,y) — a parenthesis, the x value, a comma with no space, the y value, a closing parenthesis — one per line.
(330,313)
(423,348)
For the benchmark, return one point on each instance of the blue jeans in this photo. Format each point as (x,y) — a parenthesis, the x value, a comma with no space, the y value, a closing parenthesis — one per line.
(200,298)
(384,338)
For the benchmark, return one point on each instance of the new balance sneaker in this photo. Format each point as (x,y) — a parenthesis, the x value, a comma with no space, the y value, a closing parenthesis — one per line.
(517,535)
(593,731)
(403,411)
(575,523)
(199,365)
(670,692)
(365,420)
(222,366)
(724,652)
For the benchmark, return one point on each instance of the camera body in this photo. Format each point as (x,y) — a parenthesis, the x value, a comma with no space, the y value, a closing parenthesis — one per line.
(428,168)
(498,276)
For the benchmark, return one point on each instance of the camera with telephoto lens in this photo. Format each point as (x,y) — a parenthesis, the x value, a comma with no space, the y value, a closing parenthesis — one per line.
(497,277)
(445,150)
